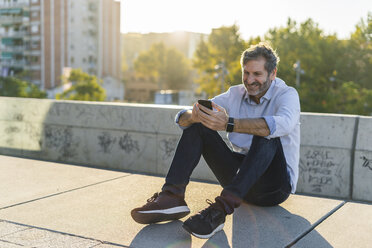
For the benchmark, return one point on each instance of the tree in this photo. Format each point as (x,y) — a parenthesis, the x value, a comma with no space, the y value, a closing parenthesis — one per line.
(84,87)
(166,66)
(358,55)
(222,51)
(350,98)
(15,87)
(329,77)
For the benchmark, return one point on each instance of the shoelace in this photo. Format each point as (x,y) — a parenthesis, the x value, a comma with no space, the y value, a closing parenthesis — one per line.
(153,198)
(206,213)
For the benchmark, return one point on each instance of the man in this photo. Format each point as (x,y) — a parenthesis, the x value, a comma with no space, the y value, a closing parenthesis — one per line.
(261,117)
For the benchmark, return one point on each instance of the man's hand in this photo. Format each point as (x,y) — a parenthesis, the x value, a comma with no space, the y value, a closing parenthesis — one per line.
(215,120)
(190,117)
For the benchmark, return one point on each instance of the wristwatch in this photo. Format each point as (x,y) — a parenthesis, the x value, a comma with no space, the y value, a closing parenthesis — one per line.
(230,125)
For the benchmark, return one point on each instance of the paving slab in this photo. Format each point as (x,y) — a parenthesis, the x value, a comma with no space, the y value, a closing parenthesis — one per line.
(8,228)
(102,212)
(350,226)
(41,238)
(23,180)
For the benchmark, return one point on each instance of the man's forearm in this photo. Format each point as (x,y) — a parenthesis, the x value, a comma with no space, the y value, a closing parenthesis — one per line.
(185,119)
(256,126)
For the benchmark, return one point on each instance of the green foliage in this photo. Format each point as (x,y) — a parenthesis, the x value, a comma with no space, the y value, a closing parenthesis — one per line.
(14,87)
(84,87)
(166,66)
(349,98)
(336,76)
(225,46)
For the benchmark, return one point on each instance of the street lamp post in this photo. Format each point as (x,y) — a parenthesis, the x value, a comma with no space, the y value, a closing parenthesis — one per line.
(299,71)
(221,72)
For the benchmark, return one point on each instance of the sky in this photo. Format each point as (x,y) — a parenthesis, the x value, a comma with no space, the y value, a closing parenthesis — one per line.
(254,18)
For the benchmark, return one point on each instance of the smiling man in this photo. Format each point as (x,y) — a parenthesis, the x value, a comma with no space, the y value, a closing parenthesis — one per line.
(261,116)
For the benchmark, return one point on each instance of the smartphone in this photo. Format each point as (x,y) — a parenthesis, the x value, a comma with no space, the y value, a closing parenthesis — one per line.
(206,103)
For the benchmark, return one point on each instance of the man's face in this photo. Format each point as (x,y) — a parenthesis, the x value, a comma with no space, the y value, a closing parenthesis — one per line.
(255,77)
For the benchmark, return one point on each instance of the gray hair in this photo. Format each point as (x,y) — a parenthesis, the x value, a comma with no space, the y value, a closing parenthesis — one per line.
(264,50)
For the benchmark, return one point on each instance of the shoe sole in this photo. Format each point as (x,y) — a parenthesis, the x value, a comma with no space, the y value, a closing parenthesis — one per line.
(154,216)
(203,236)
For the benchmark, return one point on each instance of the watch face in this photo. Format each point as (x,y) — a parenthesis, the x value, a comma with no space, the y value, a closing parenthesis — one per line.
(230,127)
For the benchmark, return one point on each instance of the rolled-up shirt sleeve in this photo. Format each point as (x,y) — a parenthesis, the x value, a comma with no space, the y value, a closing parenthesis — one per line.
(177,117)
(270,123)
(287,115)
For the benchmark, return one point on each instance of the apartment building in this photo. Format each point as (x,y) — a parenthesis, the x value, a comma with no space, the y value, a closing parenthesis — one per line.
(42,38)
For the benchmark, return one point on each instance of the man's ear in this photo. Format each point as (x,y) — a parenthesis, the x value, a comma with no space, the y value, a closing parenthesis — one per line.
(273,74)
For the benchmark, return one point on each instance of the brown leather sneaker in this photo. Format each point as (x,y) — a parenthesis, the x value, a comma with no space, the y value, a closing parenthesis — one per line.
(160,207)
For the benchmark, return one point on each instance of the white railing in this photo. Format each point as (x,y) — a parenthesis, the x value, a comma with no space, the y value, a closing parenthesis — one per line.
(11,4)
(14,34)
(12,48)
(14,63)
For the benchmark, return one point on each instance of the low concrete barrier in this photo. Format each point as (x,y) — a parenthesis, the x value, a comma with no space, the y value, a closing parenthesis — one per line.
(326,154)
(335,151)
(362,171)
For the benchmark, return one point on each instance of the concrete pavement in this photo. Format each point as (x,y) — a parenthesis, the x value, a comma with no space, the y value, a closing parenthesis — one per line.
(46,204)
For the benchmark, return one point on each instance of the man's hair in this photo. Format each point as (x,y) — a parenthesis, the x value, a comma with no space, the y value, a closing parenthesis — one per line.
(264,50)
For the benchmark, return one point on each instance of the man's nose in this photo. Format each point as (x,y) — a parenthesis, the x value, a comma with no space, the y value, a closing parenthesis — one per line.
(249,79)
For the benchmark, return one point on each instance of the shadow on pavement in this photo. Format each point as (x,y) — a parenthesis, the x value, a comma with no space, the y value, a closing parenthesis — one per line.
(269,227)
(218,240)
(162,235)
(252,226)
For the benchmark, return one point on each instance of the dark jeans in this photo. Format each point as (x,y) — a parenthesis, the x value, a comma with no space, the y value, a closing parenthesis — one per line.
(260,177)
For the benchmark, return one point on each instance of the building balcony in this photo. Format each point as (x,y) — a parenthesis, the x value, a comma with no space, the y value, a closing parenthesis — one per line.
(18,34)
(33,67)
(7,20)
(14,49)
(32,52)
(18,4)
(14,63)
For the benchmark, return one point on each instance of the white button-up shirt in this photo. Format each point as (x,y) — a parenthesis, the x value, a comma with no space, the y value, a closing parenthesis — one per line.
(280,107)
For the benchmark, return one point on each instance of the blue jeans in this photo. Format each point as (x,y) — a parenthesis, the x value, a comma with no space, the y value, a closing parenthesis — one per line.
(259,177)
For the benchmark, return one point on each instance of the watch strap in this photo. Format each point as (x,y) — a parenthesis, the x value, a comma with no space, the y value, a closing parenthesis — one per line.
(230,125)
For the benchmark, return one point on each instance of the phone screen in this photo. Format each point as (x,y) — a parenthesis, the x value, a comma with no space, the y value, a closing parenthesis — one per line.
(206,103)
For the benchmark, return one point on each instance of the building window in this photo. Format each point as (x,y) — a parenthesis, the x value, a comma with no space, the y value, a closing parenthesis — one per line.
(35,14)
(72,60)
(34,59)
(35,44)
(34,29)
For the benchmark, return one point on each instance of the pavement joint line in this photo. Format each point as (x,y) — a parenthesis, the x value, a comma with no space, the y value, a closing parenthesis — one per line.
(63,192)
(26,228)
(6,241)
(317,223)
(101,242)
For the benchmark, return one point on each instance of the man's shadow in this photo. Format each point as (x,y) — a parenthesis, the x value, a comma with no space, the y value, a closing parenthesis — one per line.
(252,226)
(168,234)
(270,227)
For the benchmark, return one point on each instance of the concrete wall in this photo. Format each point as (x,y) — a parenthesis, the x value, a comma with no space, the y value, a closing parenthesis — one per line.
(326,154)
(362,176)
(336,151)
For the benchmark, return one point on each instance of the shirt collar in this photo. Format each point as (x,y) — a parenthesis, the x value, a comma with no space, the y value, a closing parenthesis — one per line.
(268,95)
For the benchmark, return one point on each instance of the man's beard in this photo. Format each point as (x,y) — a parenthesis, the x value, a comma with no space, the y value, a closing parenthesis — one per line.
(261,88)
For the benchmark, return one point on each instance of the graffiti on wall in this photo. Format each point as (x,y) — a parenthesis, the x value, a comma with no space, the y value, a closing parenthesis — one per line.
(367,163)
(168,146)
(128,144)
(106,142)
(62,140)
(321,170)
